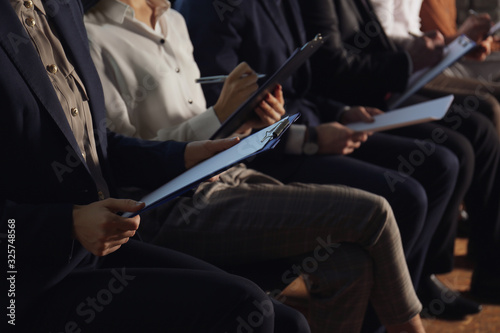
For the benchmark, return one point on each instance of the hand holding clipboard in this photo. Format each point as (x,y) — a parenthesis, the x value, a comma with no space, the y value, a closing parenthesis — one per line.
(252,145)
(246,110)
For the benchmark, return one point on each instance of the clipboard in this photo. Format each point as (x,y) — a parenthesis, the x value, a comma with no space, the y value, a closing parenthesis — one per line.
(252,145)
(411,115)
(494,30)
(245,111)
(453,52)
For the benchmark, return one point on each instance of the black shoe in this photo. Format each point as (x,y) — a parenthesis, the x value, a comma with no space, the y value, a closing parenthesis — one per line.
(485,285)
(441,302)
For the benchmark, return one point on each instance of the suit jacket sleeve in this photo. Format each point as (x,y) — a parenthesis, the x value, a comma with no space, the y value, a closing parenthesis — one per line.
(41,175)
(360,74)
(143,163)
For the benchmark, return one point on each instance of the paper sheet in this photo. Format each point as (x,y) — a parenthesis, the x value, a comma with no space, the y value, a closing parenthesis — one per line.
(411,115)
(253,144)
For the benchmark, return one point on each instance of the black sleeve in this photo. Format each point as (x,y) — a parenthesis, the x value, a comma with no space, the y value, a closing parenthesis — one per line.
(352,72)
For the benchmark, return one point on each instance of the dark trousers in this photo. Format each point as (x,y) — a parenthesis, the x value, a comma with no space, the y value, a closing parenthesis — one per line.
(144,288)
(418,198)
(473,139)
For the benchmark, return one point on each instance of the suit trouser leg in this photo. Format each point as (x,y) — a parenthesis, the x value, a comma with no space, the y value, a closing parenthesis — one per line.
(433,166)
(408,199)
(482,95)
(483,197)
(250,217)
(416,178)
(472,138)
(144,288)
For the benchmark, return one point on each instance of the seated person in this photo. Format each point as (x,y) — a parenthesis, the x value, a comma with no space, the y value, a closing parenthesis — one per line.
(468,134)
(261,218)
(374,166)
(401,21)
(236,32)
(75,266)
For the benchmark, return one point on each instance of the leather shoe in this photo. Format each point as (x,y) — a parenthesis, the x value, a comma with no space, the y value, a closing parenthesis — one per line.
(485,285)
(441,302)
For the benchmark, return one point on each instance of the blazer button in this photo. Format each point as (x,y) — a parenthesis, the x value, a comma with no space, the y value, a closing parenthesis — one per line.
(30,22)
(74,112)
(52,69)
(177,70)
(190,101)
(28,4)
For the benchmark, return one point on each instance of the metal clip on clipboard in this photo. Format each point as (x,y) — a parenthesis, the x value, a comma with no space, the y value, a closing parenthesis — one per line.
(277,130)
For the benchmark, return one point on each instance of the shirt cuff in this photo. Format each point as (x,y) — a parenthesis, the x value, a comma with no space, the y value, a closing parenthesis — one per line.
(295,139)
(205,124)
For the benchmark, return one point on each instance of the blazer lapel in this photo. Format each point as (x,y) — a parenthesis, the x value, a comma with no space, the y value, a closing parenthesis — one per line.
(18,46)
(279,21)
(367,11)
(299,26)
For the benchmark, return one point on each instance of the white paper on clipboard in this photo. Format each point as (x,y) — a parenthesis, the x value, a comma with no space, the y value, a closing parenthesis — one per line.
(254,144)
(410,115)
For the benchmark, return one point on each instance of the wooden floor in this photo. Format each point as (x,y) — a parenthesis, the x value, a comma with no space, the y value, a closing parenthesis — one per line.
(487,321)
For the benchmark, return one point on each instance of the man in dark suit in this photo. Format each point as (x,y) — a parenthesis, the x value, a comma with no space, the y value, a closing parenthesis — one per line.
(368,65)
(469,134)
(72,263)
(264,34)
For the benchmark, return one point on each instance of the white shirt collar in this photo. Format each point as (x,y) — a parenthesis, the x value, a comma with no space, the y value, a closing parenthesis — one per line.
(118,11)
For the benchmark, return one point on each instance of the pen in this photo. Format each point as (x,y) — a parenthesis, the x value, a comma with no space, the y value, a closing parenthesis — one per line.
(473,12)
(219,79)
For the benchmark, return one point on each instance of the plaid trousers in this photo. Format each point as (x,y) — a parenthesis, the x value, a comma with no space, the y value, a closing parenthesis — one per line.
(344,241)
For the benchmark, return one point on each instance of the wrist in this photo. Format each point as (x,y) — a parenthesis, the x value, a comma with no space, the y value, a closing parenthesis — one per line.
(310,146)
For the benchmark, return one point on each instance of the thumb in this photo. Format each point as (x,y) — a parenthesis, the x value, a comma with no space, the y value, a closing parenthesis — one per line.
(216,146)
(366,116)
(123,205)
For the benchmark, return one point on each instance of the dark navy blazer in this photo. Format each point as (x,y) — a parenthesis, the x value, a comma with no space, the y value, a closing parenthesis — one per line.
(42,174)
(257,32)
(359,64)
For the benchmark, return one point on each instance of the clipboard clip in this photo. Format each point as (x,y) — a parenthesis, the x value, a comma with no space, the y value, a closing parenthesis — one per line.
(463,40)
(318,39)
(276,131)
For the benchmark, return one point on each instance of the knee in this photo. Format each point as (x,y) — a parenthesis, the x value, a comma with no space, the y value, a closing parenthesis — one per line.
(250,306)
(490,107)
(257,312)
(384,212)
(446,165)
(409,197)
(379,213)
(389,230)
